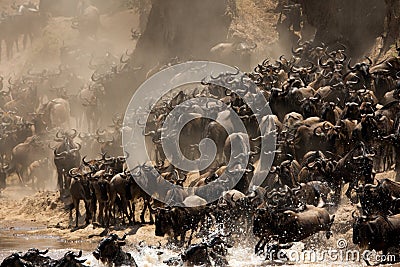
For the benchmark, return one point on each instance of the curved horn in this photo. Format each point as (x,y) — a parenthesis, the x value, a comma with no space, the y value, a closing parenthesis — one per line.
(318,134)
(9,81)
(297,51)
(122,238)
(43,252)
(84,162)
(353,215)
(75,133)
(349,66)
(311,66)
(58,133)
(122,58)
(79,146)
(321,64)
(358,157)
(72,173)
(100,132)
(234,73)
(294,69)
(94,79)
(369,60)
(91,65)
(326,126)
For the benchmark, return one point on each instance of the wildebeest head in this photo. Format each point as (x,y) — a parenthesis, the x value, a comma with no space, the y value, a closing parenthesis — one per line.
(104,187)
(263,219)
(362,68)
(109,248)
(163,221)
(310,106)
(288,171)
(36,257)
(328,112)
(362,231)
(67,147)
(374,199)
(351,111)
(69,260)
(196,254)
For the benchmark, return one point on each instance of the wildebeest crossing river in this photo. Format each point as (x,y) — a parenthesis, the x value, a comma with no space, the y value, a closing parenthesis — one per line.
(144,256)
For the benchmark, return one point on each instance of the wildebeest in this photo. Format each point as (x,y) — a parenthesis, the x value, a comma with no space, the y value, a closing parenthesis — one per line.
(178,220)
(124,185)
(234,53)
(56,113)
(109,251)
(79,189)
(24,154)
(87,21)
(66,157)
(70,260)
(354,167)
(380,199)
(33,257)
(378,233)
(289,225)
(214,248)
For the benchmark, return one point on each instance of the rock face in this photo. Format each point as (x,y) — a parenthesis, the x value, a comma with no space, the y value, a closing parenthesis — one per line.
(355,23)
(182,28)
(392,22)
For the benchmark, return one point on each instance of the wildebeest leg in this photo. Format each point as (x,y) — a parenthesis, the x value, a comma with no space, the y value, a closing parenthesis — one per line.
(9,47)
(94,207)
(107,211)
(101,215)
(111,205)
(329,226)
(70,215)
(151,212)
(142,220)
(190,237)
(125,210)
(182,240)
(348,191)
(16,44)
(25,40)
(76,205)
(60,183)
(88,214)
(260,246)
(146,206)
(397,163)
(20,175)
(30,35)
(132,210)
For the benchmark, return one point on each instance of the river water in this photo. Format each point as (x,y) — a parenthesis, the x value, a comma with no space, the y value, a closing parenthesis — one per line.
(14,240)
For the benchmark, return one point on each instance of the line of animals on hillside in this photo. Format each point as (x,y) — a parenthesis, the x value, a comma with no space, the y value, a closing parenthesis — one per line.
(213,249)
(27,21)
(336,124)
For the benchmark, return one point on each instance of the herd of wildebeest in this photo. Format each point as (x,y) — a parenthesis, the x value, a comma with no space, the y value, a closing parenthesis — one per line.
(336,122)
